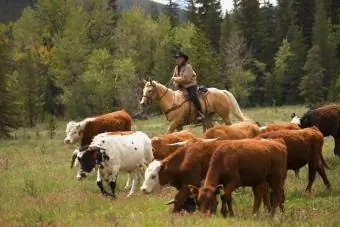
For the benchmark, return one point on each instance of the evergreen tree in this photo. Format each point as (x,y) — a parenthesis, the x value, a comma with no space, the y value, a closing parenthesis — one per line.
(266,41)
(283,18)
(209,18)
(226,28)
(172,12)
(8,105)
(247,20)
(295,62)
(274,83)
(304,10)
(320,39)
(192,11)
(311,86)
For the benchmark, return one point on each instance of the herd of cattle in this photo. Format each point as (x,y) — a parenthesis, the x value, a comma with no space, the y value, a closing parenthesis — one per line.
(206,170)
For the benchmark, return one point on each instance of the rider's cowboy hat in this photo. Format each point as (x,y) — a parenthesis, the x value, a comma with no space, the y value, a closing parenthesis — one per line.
(180,54)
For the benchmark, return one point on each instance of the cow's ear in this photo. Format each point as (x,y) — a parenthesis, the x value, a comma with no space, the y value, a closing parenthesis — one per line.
(219,189)
(193,190)
(292,115)
(144,81)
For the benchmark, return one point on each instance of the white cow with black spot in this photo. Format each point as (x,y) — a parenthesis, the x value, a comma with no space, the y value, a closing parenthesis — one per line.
(116,152)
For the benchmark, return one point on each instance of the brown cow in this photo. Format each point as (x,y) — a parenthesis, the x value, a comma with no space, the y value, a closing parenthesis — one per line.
(241,130)
(187,165)
(160,144)
(248,162)
(327,119)
(279,126)
(86,129)
(304,146)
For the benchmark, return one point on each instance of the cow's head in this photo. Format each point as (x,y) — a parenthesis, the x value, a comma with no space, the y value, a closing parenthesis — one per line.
(88,158)
(305,120)
(149,93)
(207,198)
(151,181)
(294,119)
(73,132)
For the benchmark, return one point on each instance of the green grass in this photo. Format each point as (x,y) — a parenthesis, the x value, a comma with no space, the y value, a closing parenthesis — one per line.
(37,187)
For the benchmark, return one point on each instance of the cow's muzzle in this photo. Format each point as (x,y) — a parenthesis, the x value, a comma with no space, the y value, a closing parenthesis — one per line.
(67,141)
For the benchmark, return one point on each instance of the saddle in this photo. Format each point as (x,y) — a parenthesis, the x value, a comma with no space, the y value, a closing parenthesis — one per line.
(201,90)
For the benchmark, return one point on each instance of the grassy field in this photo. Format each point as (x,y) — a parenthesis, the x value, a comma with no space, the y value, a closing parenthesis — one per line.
(37,187)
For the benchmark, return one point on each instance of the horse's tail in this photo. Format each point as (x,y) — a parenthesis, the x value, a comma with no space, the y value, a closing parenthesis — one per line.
(235,108)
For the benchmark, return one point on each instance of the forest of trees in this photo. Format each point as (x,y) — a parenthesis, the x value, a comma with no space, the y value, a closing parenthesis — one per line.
(79,58)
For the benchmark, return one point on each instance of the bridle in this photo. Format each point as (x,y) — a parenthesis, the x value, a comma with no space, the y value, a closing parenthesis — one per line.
(160,98)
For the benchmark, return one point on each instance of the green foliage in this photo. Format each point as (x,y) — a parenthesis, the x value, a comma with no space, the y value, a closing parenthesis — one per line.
(209,19)
(9,107)
(295,63)
(237,56)
(275,80)
(311,86)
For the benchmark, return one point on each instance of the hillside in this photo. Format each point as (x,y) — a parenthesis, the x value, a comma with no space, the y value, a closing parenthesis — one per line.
(11,10)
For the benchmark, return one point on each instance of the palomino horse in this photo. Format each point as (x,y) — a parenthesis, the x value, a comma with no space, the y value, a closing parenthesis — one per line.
(177,109)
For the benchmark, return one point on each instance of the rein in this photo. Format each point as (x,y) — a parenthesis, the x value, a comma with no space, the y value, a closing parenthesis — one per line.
(174,106)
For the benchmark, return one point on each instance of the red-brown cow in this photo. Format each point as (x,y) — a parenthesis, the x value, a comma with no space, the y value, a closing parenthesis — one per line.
(279,126)
(248,162)
(187,165)
(304,146)
(241,130)
(160,144)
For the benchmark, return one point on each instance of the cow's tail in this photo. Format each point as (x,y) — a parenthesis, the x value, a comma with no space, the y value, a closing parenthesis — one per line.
(235,108)
(324,163)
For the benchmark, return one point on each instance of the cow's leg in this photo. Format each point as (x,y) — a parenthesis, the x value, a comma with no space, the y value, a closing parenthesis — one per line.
(113,179)
(321,171)
(224,210)
(265,196)
(228,189)
(135,182)
(260,192)
(112,184)
(276,184)
(337,145)
(128,182)
(100,185)
(312,166)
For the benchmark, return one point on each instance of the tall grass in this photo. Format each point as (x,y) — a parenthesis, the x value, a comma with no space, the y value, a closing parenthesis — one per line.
(37,187)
